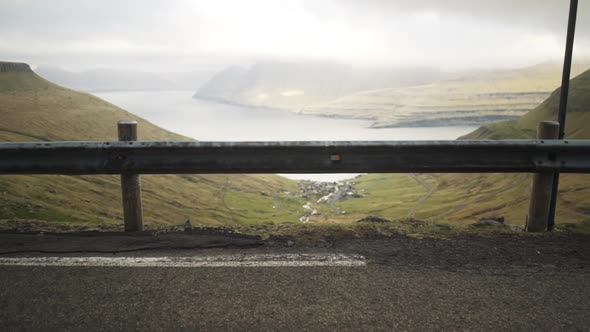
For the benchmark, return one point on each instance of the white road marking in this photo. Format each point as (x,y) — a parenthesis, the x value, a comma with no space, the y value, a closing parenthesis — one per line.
(255,260)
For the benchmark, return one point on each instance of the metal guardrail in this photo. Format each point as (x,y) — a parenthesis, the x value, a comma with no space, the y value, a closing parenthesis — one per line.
(174,157)
(544,156)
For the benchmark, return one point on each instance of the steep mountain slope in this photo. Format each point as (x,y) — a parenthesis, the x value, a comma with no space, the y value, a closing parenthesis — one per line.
(474,99)
(32,109)
(462,199)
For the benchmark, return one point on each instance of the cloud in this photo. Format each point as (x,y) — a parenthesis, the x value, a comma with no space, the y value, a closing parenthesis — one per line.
(450,33)
(549,15)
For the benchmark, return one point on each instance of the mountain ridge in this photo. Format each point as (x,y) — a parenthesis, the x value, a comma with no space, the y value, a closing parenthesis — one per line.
(468,100)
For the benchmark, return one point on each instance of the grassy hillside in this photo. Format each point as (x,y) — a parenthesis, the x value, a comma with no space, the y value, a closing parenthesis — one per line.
(462,199)
(33,109)
(577,121)
(473,99)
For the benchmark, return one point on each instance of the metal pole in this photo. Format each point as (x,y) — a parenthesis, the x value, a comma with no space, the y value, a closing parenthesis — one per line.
(565,84)
(130,184)
(539,205)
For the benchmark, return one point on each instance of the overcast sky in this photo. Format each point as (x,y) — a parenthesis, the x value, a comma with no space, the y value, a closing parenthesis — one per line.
(187,35)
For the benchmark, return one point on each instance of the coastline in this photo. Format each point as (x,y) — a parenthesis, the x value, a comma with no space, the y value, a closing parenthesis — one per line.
(374,123)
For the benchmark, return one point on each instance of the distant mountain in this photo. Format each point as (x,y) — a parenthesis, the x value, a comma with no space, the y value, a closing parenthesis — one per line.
(121,80)
(34,109)
(292,86)
(470,100)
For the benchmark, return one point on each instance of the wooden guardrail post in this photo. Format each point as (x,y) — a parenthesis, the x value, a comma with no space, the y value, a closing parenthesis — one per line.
(542,183)
(130,184)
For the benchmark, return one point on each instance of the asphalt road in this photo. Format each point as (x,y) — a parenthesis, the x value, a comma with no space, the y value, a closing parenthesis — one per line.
(407,284)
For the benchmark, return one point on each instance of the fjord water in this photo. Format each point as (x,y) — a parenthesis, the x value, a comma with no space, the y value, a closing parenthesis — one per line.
(207,120)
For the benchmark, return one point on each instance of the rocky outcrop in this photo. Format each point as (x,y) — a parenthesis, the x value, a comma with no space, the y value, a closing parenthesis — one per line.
(13,67)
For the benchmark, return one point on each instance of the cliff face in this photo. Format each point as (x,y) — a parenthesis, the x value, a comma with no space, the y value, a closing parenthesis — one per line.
(14,67)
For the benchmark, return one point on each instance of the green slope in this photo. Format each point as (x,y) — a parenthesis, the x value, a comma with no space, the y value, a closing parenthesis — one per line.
(574,199)
(462,199)
(34,109)
(577,123)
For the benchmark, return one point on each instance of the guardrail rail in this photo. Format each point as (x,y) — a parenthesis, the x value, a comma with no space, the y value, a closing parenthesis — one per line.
(543,156)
